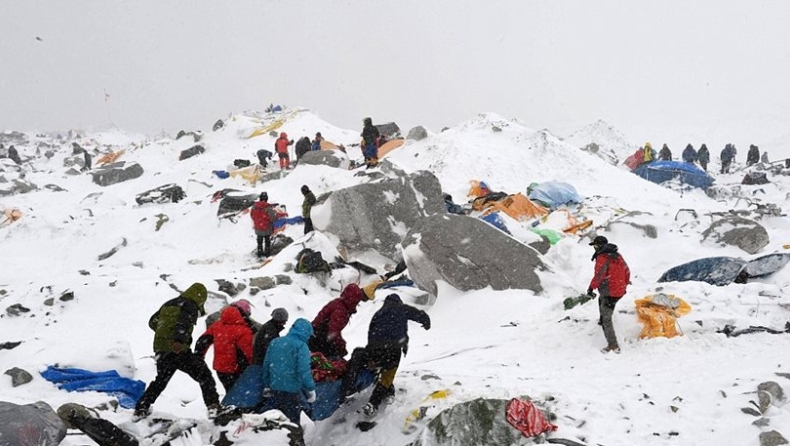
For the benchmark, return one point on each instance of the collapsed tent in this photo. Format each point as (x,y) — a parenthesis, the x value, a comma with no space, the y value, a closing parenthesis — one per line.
(250,173)
(30,425)
(755,178)
(722,271)
(128,391)
(662,171)
(553,194)
(658,314)
(110,157)
(516,206)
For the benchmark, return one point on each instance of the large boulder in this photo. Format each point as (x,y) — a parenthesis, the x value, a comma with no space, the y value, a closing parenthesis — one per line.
(468,254)
(746,234)
(417,133)
(332,158)
(116,173)
(377,215)
(479,422)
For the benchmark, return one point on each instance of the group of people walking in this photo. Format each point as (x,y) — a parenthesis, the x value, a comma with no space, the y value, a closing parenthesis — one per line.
(702,156)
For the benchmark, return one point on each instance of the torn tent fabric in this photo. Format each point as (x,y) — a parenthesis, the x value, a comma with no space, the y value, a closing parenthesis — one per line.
(658,314)
(126,390)
(516,206)
(554,194)
(526,418)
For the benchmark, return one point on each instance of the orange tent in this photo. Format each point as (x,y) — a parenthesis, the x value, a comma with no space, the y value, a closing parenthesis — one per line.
(110,157)
(517,206)
(389,146)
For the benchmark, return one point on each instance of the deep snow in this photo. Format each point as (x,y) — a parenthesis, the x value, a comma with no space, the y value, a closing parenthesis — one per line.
(483,343)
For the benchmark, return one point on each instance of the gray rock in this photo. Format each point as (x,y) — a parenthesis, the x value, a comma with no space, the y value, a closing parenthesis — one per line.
(761,422)
(49,302)
(764,401)
(746,234)
(542,246)
(112,252)
(280,242)
(468,254)
(263,283)
(18,376)
(190,152)
(389,130)
(417,133)
(113,174)
(332,158)
(218,125)
(383,211)
(283,279)
(66,296)
(774,389)
(479,422)
(750,411)
(229,288)
(196,136)
(772,438)
(17,310)
(73,412)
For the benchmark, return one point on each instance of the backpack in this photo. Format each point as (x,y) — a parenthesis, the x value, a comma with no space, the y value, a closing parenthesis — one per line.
(311,261)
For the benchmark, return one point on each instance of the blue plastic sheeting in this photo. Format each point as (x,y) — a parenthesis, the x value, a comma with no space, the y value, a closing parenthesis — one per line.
(554,194)
(128,391)
(495,220)
(661,171)
(766,265)
(220,174)
(289,221)
(395,283)
(713,270)
(248,393)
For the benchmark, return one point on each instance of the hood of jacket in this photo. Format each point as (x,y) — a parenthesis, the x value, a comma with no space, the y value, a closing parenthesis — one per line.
(232,316)
(608,248)
(351,296)
(301,329)
(392,299)
(198,294)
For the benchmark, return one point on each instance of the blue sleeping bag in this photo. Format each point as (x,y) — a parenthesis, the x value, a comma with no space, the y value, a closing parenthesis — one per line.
(128,391)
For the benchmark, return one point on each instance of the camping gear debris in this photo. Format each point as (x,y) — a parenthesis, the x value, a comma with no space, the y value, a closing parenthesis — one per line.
(126,390)
(169,193)
(658,314)
(30,424)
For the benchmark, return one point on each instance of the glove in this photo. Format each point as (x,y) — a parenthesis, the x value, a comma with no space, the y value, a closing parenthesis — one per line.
(426,325)
(177,347)
(267,392)
(590,292)
(311,396)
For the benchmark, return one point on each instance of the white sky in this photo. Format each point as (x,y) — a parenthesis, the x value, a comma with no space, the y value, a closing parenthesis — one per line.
(674,71)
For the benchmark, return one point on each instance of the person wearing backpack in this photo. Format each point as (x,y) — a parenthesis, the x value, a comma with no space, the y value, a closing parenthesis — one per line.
(332,319)
(173,324)
(370,137)
(689,154)
(232,339)
(307,207)
(611,278)
(268,332)
(665,154)
(281,147)
(302,147)
(263,217)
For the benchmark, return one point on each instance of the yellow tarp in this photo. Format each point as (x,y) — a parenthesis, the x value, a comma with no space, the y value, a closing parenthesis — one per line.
(250,173)
(110,157)
(370,289)
(389,146)
(517,206)
(658,313)
(265,130)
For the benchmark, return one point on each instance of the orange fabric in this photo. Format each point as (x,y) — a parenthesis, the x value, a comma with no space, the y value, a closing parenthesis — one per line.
(660,320)
(478,189)
(110,157)
(389,146)
(517,206)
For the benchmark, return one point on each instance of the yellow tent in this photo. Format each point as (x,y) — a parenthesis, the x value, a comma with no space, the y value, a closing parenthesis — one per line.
(250,173)
(265,130)
(658,313)
(517,206)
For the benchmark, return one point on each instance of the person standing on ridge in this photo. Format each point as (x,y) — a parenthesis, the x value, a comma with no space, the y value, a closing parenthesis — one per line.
(665,154)
(689,154)
(753,155)
(703,156)
(370,136)
(611,278)
(268,332)
(232,339)
(281,147)
(727,155)
(307,207)
(173,324)
(263,217)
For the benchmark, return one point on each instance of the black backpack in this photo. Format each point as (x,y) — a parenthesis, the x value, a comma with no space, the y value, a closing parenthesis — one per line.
(311,261)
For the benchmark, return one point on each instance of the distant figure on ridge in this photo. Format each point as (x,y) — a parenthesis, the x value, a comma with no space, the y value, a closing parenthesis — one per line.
(302,147)
(727,155)
(263,217)
(689,154)
(665,154)
(317,142)
(753,155)
(370,136)
(703,156)
(307,207)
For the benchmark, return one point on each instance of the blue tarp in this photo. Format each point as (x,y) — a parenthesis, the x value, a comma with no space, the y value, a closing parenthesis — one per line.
(248,393)
(554,194)
(128,391)
(661,171)
(767,264)
(713,270)
(495,220)
(221,174)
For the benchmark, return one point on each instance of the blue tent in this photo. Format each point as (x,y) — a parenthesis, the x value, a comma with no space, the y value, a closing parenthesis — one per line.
(713,270)
(661,171)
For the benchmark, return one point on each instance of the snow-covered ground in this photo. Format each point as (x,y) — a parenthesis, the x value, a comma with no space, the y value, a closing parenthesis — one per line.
(484,343)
